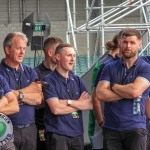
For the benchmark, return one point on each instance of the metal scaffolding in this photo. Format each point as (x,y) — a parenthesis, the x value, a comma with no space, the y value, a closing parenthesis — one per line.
(108,20)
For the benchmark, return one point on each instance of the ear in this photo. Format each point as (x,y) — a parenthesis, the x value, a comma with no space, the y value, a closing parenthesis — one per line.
(49,53)
(7,49)
(140,44)
(57,56)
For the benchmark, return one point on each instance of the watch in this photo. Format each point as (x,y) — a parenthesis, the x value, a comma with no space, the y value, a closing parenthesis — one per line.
(69,102)
(20,96)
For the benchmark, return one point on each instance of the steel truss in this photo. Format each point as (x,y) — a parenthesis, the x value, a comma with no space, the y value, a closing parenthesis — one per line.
(108,21)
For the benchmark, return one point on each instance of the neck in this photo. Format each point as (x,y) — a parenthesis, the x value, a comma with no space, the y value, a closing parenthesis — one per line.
(130,62)
(11,64)
(49,64)
(64,73)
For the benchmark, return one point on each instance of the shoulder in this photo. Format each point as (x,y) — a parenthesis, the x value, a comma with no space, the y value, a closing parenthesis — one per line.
(28,69)
(38,67)
(145,58)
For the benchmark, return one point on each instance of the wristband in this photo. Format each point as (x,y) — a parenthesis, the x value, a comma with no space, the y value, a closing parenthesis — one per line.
(101,123)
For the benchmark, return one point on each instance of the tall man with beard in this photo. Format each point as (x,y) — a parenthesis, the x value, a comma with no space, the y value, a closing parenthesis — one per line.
(124,87)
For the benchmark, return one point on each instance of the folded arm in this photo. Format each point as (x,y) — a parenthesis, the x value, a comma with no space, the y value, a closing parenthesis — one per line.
(104,93)
(32,94)
(9,104)
(132,90)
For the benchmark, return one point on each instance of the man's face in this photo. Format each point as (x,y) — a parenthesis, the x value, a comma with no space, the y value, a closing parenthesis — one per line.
(130,46)
(16,52)
(67,58)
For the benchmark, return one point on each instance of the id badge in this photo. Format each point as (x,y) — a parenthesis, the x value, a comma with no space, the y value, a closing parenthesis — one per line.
(75,114)
(41,135)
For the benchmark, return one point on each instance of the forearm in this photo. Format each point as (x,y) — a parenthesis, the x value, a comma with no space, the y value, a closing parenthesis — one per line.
(33,98)
(107,95)
(62,109)
(126,91)
(11,106)
(30,98)
(98,111)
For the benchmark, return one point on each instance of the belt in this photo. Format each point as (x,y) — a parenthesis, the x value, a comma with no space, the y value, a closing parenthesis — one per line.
(22,126)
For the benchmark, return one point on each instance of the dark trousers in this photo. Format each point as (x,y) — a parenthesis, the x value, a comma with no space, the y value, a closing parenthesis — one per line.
(148,138)
(59,142)
(40,142)
(125,140)
(25,138)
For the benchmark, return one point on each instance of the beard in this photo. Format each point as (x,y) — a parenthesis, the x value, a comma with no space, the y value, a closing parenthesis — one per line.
(128,55)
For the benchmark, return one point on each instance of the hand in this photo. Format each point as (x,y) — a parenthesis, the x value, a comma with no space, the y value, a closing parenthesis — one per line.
(84,96)
(33,87)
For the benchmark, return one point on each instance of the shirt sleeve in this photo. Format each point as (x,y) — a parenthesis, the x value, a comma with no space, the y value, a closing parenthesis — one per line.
(50,91)
(106,73)
(4,89)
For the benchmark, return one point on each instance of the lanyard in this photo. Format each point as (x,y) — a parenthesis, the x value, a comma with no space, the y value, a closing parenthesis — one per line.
(66,86)
(12,78)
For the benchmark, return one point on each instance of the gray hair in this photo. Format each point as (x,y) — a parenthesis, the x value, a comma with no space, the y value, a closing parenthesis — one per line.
(10,36)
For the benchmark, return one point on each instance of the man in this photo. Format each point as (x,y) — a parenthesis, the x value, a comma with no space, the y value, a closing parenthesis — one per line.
(65,97)
(8,105)
(124,87)
(21,79)
(148,122)
(46,67)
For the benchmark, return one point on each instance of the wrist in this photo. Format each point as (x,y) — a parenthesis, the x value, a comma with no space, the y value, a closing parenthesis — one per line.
(112,85)
(69,102)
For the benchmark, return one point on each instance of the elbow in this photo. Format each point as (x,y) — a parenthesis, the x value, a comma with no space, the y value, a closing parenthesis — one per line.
(55,111)
(135,94)
(17,109)
(38,102)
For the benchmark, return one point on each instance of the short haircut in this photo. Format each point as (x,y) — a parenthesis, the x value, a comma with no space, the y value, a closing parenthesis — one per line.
(60,47)
(132,32)
(8,39)
(50,42)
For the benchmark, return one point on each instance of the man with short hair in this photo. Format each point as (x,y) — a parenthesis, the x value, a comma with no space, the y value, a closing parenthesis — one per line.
(124,87)
(66,97)
(43,69)
(21,79)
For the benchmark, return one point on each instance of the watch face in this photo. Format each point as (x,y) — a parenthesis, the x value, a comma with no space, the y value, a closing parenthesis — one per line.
(21,95)
(69,102)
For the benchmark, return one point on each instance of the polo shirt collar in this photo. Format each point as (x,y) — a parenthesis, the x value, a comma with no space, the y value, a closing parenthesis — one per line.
(10,68)
(135,63)
(63,78)
(43,67)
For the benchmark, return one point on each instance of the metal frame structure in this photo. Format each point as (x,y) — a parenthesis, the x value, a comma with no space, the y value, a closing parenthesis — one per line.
(106,22)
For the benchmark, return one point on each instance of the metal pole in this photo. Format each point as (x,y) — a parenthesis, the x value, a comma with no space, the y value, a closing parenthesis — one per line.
(72,29)
(102,27)
(8,11)
(87,36)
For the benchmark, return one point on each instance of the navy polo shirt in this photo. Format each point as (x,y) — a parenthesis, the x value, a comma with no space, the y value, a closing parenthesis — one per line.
(63,124)
(4,87)
(18,79)
(119,115)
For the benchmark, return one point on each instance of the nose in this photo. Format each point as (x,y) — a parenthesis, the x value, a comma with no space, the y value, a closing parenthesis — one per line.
(22,50)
